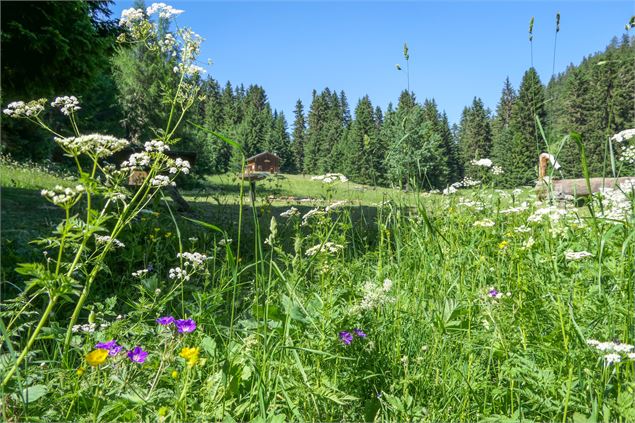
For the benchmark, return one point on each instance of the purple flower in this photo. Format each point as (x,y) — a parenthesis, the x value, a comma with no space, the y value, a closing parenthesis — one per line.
(185,325)
(346,337)
(137,355)
(166,320)
(359,333)
(111,346)
(493,293)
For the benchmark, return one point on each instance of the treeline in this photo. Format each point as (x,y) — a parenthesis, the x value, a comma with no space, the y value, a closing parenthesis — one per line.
(122,90)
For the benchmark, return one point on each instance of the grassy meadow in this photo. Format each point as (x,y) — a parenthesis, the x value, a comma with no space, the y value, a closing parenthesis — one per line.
(427,307)
(322,299)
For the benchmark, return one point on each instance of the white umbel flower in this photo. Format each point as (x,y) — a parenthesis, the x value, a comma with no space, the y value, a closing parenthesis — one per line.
(66,104)
(485,223)
(104,239)
(165,11)
(577,255)
(20,109)
(93,144)
(130,17)
(155,146)
(482,162)
(624,135)
(161,181)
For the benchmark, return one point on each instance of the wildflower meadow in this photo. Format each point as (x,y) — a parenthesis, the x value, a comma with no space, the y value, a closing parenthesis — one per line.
(300,297)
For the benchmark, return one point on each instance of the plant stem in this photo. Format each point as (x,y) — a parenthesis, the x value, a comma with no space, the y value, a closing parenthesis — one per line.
(29,344)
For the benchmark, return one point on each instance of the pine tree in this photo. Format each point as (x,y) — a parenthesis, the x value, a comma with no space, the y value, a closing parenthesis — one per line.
(360,159)
(379,118)
(415,150)
(527,144)
(253,131)
(475,135)
(299,134)
(450,150)
(501,133)
(314,133)
(279,142)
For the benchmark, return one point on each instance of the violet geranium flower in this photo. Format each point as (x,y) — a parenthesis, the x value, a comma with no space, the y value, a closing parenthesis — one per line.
(111,346)
(359,333)
(137,355)
(346,337)
(493,293)
(165,320)
(185,325)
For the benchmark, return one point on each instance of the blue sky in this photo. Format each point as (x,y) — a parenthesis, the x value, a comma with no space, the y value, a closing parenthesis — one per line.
(458,50)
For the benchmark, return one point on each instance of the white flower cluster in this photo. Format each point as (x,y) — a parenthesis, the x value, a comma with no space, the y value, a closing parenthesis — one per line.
(155,145)
(178,273)
(522,229)
(20,109)
(224,242)
(93,144)
(521,208)
(165,11)
(189,69)
(628,155)
(485,223)
(140,273)
(136,160)
(162,181)
(529,243)
(63,196)
(497,170)
(191,44)
(327,247)
(476,205)
(67,104)
(195,260)
(310,214)
(616,204)
(577,255)
(180,165)
(482,162)
(87,328)
(335,205)
(615,350)
(116,196)
(374,296)
(467,182)
(330,178)
(624,135)
(168,44)
(291,212)
(551,213)
(130,17)
(104,239)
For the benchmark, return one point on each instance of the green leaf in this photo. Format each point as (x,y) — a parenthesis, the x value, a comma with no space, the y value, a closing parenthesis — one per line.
(32,393)
(219,136)
(204,224)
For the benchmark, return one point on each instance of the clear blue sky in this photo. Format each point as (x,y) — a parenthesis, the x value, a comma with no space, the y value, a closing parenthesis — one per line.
(458,50)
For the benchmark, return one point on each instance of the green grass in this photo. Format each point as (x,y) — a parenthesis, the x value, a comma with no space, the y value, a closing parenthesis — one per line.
(438,346)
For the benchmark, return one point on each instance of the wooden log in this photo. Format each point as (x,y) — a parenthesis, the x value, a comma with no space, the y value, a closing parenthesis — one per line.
(576,187)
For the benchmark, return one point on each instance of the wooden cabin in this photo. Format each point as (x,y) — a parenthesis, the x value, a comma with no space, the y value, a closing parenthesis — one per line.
(263,162)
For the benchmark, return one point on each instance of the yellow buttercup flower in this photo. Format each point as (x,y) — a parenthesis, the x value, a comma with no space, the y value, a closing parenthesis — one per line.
(503,244)
(175,374)
(190,354)
(80,371)
(97,357)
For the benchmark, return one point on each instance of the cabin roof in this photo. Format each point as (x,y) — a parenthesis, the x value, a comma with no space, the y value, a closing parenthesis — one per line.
(266,153)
